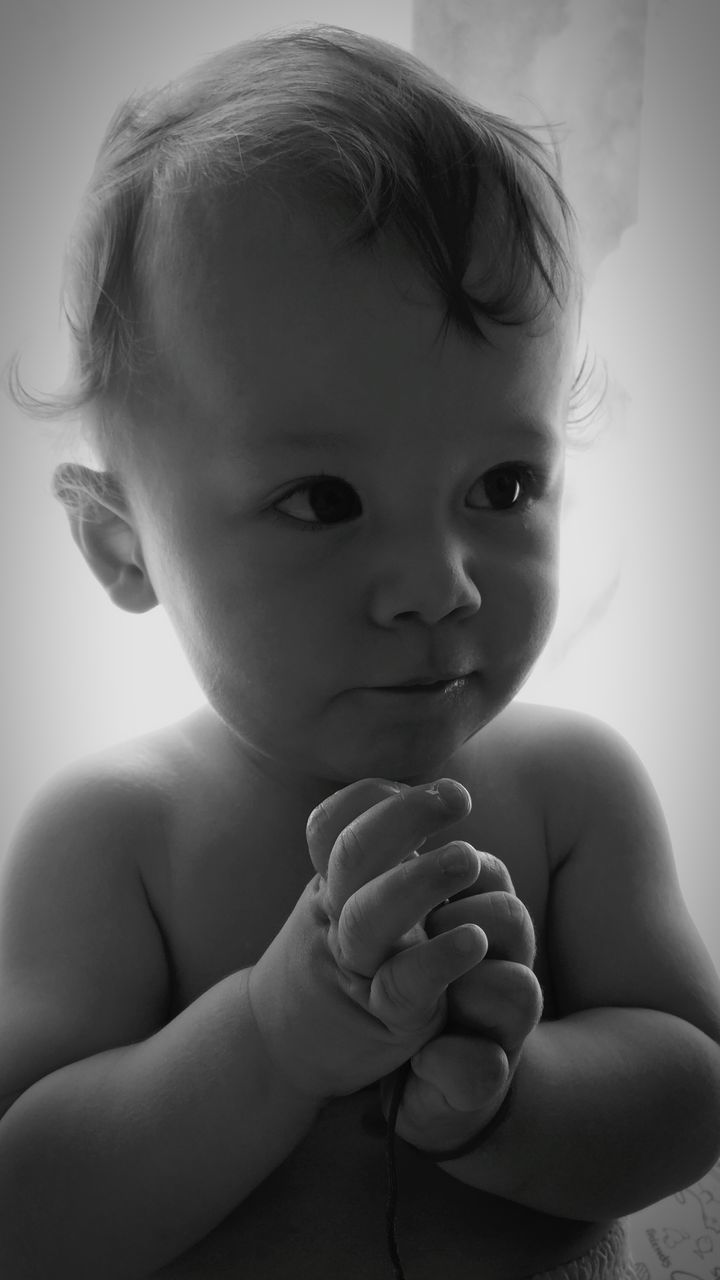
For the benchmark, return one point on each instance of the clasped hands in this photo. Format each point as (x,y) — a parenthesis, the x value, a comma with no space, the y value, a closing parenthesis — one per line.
(391,955)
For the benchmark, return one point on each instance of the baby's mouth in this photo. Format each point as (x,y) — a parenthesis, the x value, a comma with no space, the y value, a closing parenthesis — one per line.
(431,684)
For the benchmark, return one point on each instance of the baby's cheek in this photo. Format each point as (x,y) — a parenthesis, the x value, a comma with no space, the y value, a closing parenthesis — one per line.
(538,599)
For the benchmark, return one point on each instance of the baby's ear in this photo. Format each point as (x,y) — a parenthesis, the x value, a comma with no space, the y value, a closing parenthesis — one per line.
(102,527)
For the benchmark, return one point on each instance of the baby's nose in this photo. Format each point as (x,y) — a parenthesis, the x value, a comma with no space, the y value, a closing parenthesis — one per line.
(428,580)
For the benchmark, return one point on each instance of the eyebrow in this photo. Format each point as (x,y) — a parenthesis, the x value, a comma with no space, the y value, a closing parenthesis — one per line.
(302,440)
(529,428)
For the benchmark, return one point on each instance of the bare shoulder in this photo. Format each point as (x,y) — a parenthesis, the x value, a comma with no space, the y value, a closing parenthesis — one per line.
(536,728)
(619,930)
(574,766)
(82,960)
(97,813)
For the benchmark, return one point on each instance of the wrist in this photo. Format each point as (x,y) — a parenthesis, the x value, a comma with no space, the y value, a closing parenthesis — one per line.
(280,1080)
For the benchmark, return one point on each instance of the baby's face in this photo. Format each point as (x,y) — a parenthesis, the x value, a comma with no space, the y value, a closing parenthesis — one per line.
(351,520)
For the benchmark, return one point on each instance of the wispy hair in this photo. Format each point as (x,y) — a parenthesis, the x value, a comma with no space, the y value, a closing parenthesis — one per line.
(357,125)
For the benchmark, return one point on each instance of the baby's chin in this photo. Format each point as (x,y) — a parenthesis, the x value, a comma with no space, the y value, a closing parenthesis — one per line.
(397,756)
(404,737)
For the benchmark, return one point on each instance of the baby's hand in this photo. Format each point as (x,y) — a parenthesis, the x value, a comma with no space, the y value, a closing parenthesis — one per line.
(352,986)
(460,1079)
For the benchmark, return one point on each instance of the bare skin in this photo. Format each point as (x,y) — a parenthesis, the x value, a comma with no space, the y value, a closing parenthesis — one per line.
(336,1175)
(221,881)
(198,998)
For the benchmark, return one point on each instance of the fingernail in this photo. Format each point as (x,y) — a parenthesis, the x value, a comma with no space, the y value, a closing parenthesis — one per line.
(456,859)
(469,939)
(451,793)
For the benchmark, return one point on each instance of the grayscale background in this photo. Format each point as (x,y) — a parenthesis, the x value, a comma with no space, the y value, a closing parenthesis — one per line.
(633,89)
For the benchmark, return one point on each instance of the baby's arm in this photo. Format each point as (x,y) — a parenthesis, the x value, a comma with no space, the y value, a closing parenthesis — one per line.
(616,1102)
(127,1137)
(122,1140)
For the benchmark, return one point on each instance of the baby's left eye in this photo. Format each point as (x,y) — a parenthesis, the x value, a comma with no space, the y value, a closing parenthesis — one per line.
(511,485)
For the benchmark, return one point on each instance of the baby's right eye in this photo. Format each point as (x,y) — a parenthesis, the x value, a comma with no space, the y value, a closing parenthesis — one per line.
(319,502)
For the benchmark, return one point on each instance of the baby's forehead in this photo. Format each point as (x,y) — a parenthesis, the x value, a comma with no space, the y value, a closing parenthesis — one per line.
(244,256)
(215,267)
(227,237)
(262,312)
(379,144)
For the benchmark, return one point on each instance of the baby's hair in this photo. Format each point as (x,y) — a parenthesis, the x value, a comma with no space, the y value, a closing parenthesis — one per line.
(355,125)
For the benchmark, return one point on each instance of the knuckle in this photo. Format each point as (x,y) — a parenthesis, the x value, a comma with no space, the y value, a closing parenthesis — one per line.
(496,870)
(463,847)
(514,921)
(347,849)
(393,990)
(371,791)
(397,998)
(504,911)
(534,1000)
(350,800)
(513,909)
(405,873)
(318,821)
(351,926)
(332,944)
(525,994)
(528,941)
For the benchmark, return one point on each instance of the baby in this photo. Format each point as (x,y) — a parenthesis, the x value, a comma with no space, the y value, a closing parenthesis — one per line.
(326,321)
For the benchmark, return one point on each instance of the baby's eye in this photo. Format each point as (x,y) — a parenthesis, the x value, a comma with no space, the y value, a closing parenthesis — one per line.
(511,485)
(326,500)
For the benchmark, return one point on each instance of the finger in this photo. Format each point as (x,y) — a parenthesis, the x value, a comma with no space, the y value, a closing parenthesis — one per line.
(499,1000)
(493,875)
(502,916)
(427,1120)
(384,835)
(468,1071)
(407,990)
(334,813)
(378,914)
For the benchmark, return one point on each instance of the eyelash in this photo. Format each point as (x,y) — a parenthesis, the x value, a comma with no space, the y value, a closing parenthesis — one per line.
(308,526)
(533,484)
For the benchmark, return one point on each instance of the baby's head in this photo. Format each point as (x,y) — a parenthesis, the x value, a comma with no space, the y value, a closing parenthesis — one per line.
(315,291)
(354,128)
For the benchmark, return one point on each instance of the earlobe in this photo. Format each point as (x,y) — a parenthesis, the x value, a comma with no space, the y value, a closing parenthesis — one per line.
(102,527)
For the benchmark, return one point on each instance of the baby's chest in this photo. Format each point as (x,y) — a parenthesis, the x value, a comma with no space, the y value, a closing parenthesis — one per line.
(219,915)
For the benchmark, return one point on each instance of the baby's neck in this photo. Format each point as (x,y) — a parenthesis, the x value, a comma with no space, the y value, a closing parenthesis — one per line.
(272,779)
(264,773)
